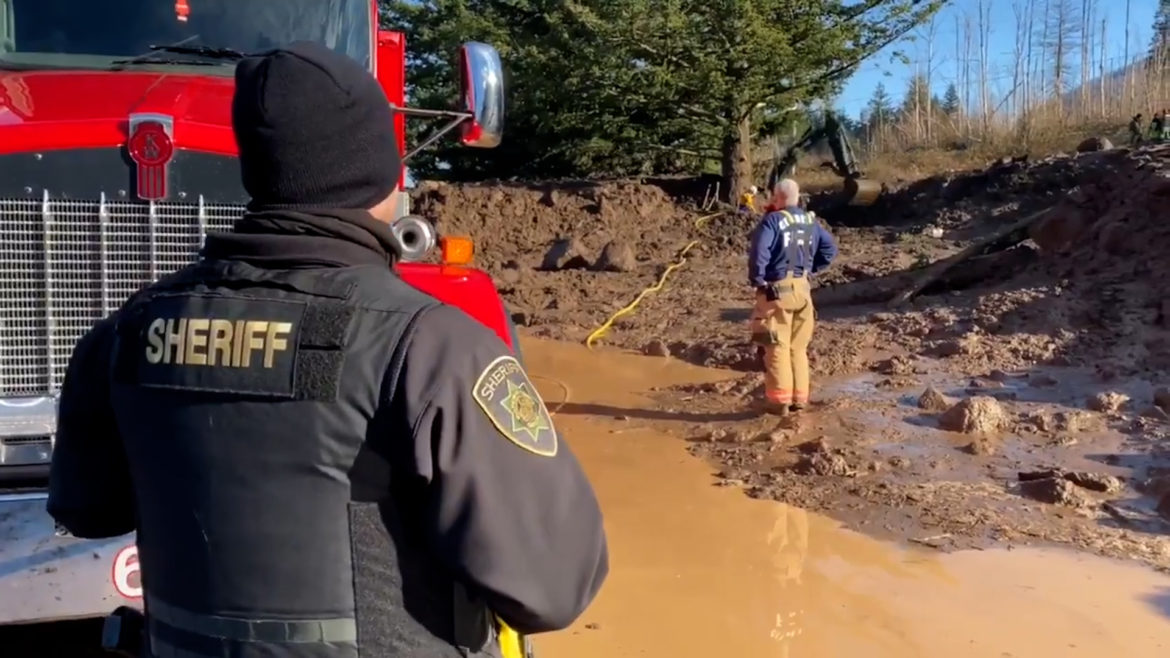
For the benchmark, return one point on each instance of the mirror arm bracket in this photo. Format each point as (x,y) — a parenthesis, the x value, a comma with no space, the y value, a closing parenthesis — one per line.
(435,136)
(431,114)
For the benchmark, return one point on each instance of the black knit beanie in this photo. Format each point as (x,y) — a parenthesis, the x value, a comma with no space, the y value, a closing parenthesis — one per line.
(314,130)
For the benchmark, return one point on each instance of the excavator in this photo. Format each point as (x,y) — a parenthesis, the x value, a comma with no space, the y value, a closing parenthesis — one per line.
(857,191)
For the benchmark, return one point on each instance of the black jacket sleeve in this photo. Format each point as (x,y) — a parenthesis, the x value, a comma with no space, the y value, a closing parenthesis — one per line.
(90,491)
(508,506)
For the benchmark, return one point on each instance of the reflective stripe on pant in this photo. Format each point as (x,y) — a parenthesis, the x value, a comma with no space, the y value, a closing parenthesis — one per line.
(214,635)
(787,323)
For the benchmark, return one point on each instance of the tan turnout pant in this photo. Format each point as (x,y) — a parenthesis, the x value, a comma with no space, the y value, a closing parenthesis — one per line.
(784,327)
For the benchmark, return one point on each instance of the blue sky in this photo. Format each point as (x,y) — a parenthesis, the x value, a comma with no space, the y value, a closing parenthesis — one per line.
(894,74)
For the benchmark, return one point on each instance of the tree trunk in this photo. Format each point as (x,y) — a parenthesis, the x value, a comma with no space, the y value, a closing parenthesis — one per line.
(737,160)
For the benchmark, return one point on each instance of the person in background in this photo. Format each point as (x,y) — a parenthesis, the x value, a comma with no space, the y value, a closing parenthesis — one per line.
(1135,130)
(1157,125)
(787,248)
(747,202)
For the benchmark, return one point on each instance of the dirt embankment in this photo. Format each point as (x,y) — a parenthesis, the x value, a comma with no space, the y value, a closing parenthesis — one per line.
(1044,418)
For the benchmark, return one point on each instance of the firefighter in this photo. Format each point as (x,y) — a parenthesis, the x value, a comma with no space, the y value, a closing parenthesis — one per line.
(320,460)
(747,201)
(788,247)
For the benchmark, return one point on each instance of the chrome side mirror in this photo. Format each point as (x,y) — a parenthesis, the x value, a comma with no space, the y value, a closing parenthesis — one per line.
(482,85)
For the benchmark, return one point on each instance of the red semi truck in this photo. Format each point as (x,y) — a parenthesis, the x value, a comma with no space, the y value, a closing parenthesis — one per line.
(116,159)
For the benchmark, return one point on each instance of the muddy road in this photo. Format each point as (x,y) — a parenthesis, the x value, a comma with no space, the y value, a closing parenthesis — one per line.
(1022,399)
(702,570)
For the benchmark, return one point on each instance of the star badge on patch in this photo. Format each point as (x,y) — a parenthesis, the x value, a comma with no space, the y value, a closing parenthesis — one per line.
(511,402)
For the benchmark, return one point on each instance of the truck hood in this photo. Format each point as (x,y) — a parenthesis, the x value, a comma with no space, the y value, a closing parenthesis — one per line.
(44,110)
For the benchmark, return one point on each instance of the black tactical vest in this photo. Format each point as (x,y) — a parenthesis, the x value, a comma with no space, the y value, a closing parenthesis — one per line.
(255,408)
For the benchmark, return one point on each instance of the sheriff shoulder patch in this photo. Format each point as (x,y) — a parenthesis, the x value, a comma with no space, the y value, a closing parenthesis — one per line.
(509,399)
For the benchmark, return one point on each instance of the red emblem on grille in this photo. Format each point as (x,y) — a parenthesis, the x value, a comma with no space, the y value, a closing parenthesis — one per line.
(151,148)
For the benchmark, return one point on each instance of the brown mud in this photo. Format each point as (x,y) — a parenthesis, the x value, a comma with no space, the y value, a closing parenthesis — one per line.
(1047,414)
(700,570)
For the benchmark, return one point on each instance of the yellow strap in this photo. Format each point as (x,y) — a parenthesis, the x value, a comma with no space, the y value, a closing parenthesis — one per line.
(511,643)
(792,218)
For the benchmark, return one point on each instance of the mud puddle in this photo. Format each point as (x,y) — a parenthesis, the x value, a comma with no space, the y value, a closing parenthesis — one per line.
(699,570)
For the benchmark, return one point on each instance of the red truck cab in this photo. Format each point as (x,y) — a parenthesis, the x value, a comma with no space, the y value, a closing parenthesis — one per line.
(116,159)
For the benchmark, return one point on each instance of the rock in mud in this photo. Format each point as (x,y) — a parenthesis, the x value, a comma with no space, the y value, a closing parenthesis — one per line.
(1055,491)
(656,348)
(1164,507)
(774,437)
(1099,482)
(895,383)
(1094,481)
(824,463)
(724,435)
(1162,398)
(981,446)
(508,277)
(616,256)
(933,400)
(981,414)
(1041,380)
(959,346)
(898,461)
(1093,144)
(1075,421)
(895,365)
(1108,402)
(565,254)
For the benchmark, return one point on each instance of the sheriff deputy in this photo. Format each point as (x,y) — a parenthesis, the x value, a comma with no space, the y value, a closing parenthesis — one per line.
(320,460)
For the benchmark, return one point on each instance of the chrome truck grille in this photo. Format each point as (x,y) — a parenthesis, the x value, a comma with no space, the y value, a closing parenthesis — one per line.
(64,264)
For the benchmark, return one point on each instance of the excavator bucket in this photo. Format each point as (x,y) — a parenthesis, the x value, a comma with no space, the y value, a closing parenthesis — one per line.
(862,192)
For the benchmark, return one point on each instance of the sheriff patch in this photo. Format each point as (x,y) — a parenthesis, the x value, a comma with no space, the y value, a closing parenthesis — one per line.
(510,400)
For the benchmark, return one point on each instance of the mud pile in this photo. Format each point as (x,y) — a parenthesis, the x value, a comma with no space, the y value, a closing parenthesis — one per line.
(518,222)
(568,255)
(565,255)
(1093,294)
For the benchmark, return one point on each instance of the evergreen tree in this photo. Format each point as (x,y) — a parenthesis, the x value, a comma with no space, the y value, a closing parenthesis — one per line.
(880,109)
(1160,43)
(917,96)
(614,87)
(950,102)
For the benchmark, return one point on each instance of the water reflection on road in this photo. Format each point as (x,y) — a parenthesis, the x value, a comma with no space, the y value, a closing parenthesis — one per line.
(702,571)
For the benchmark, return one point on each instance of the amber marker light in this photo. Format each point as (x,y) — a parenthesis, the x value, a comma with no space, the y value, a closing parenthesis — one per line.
(456,250)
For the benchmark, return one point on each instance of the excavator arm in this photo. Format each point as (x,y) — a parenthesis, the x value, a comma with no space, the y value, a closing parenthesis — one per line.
(858,191)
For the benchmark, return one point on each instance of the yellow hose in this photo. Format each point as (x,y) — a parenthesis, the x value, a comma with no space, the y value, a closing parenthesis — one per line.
(682,259)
